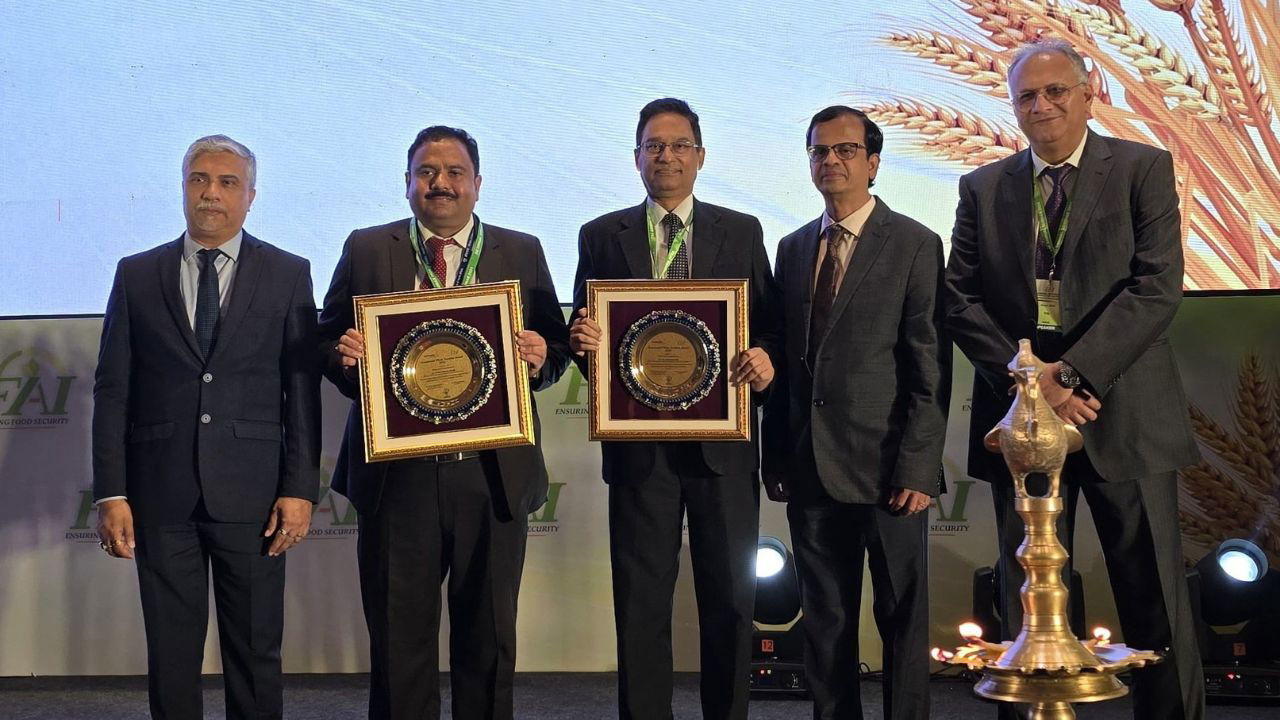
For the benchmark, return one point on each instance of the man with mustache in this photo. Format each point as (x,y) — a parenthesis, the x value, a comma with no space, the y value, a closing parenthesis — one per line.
(460,516)
(652,485)
(1076,244)
(206,436)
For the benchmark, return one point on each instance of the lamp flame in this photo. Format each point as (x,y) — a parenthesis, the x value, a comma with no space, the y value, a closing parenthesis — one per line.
(1102,635)
(970,631)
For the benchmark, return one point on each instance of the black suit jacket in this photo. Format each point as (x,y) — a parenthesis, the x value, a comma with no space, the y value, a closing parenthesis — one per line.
(1121,271)
(239,429)
(726,244)
(875,401)
(381,259)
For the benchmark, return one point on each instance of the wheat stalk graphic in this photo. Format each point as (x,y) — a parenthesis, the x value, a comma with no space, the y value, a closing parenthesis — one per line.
(1213,112)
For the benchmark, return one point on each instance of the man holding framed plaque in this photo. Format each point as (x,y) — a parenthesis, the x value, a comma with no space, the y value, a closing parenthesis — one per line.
(671,236)
(853,438)
(459,515)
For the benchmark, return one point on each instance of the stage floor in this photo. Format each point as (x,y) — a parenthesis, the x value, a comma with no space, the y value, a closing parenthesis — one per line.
(539,696)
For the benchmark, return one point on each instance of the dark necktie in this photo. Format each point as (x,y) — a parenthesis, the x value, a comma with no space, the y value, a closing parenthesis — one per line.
(207,301)
(436,246)
(679,267)
(826,286)
(1054,206)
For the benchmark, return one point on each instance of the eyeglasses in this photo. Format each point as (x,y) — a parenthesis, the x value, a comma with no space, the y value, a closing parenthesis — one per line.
(844,151)
(1056,94)
(678,148)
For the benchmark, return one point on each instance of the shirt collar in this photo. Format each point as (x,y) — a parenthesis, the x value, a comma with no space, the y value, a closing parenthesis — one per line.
(464,233)
(230,248)
(1038,163)
(684,210)
(854,221)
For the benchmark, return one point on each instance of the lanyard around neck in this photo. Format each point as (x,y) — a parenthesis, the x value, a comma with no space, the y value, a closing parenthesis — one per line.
(470,254)
(1054,244)
(675,244)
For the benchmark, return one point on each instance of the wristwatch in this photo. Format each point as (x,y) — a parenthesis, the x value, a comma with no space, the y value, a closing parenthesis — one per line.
(1067,376)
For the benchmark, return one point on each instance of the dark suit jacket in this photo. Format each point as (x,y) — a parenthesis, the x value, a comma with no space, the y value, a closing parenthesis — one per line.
(1121,270)
(259,390)
(726,244)
(381,259)
(875,402)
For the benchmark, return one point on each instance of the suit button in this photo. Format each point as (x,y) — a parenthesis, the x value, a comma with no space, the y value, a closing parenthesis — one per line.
(802,360)
(207,377)
(818,403)
(206,418)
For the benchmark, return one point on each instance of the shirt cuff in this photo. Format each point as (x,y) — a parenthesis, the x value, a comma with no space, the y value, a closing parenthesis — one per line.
(96,503)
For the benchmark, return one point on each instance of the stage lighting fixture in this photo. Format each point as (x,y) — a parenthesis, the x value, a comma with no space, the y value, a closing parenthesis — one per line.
(777,655)
(1235,596)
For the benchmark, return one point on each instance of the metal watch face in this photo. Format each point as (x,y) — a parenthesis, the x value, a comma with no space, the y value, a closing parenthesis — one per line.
(442,371)
(669,360)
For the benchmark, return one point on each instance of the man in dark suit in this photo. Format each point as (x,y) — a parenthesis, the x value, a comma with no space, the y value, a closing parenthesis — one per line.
(206,426)
(460,515)
(653,484)
(853,435)
(1075,244)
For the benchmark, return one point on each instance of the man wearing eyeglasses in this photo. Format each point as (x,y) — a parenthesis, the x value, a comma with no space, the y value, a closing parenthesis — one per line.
(672,235)
(1076,245)
(853,436)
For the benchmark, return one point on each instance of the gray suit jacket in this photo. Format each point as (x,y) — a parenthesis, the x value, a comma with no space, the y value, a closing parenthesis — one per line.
(1121,269)
(875,402)
(381,259)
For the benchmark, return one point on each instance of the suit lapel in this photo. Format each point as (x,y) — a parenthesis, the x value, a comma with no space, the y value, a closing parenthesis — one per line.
(492,267)
(1013,215)
(708,238)
(806,259)
(243,286)
(1095,166)
(402,265)
(872,240)
(170,269)
(633,237)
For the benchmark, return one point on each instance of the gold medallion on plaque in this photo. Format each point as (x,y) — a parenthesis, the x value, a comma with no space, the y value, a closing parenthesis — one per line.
(443,371)
(669,360)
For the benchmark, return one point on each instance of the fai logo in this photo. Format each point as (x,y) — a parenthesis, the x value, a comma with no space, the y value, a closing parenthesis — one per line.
(333,516)
(952,520)
(543,521)
(575,387)
(34,388)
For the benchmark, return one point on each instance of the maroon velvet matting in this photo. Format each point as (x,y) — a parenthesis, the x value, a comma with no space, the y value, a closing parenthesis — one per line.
(488,320)
(622,406)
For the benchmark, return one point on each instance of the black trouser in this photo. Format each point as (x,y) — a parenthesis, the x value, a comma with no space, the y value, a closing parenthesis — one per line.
(645,529)
(1137,524)
(438,520)
(173,564)
(830,539)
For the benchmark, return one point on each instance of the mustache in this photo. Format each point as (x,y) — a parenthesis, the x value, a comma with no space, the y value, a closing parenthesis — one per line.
(441,194)
(209,206)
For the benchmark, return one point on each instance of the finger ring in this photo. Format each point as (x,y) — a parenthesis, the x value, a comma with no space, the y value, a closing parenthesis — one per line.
(284,532)
(116,542)
(102,545)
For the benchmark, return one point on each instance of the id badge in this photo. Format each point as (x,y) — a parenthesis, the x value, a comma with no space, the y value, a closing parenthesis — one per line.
(1049,316)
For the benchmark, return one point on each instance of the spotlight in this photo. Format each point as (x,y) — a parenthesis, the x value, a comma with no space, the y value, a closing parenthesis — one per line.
(777,655)
(1231,582)
(1235,597)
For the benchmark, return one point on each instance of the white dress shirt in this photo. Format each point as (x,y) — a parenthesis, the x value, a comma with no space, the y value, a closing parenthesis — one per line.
(452,251)
(1038,164)
(684,211)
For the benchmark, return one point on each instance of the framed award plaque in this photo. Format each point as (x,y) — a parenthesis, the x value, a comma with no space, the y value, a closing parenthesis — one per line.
(662,370)
(441,372)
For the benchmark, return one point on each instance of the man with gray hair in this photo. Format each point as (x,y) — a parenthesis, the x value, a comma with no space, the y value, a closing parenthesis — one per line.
(206,424)
(1076,245)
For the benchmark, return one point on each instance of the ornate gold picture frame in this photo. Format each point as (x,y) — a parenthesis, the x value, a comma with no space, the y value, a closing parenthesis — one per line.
(441,372)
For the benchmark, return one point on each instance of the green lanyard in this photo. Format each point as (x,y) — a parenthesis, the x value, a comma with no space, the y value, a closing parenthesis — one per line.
(470,255)
(1053,245)
(675,244)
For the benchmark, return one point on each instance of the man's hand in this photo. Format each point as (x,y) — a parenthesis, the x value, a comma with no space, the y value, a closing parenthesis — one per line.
(1050,390)
(533,349)
(290,519)
(351,348)
(775,486)
(754,366)
(1079,408)
(584,334)
(907,501)
(115,528)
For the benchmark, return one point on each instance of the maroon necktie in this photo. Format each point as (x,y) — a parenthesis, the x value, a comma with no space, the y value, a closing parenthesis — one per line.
(436,246)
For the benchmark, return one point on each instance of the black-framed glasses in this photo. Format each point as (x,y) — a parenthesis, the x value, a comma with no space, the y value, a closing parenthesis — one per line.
(679,147)
(1056,93)
(844,151)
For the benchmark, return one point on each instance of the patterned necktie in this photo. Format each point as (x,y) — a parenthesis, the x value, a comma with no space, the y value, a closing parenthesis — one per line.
(1054,206)
(207,301)
(679,267)
(436,246)
(826,286)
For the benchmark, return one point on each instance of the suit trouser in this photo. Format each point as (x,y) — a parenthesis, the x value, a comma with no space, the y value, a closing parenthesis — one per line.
(173,564)
(645,529)
(1137,524)
(436,520)
(830,539)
